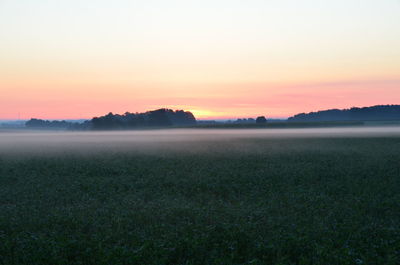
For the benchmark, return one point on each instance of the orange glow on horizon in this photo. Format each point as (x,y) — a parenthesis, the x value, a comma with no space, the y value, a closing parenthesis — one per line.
(212,101)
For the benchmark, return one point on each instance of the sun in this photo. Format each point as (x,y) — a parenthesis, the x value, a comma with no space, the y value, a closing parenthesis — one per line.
(202,113)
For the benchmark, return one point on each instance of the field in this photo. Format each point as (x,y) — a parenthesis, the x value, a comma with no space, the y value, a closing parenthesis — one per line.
(323,196)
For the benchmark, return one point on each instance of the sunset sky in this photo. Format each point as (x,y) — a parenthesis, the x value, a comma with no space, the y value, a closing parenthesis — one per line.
(218,58)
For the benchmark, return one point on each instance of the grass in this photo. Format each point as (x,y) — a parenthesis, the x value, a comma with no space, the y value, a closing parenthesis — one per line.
(250,201)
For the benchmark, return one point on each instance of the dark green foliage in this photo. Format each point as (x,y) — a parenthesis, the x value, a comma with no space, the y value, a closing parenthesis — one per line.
(38,123)
(244,121)
(374,113)
(155,118)
(272,201)
(261,120)
(46,124)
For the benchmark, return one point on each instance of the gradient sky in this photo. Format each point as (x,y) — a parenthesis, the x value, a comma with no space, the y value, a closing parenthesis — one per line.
(217,58)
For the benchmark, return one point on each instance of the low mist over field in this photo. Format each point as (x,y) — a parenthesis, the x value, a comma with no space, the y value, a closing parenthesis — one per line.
(154,141)
(262,196)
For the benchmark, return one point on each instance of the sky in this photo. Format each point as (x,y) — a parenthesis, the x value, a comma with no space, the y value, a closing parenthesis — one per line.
(69,59)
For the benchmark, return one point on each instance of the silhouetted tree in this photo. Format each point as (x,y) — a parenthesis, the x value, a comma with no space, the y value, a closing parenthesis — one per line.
(379,112)
(261,120)
(159,118)
(247,121)
(109,121)
(180,117)
(38,123)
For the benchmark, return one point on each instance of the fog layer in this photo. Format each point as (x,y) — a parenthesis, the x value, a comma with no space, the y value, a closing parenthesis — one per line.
(187,140)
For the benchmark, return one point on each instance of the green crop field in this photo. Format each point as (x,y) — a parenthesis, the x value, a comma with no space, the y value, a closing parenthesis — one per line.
(250,200)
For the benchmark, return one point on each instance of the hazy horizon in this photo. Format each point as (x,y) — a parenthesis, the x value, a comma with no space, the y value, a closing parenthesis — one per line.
(199,119)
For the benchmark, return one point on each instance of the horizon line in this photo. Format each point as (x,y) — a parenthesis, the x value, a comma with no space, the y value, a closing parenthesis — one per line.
(217,118)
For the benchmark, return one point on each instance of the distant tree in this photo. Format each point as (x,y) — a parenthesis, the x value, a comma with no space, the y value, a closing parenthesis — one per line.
(109,121)
(261,120)
(379,112)
(37,123)
(158,118)
(180,117)
(246,121)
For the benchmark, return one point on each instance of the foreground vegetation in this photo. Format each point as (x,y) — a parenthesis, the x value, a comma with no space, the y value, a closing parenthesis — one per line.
(250,201)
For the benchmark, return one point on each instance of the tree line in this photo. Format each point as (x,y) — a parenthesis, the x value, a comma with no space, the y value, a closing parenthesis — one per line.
(156,118)
(374,113)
